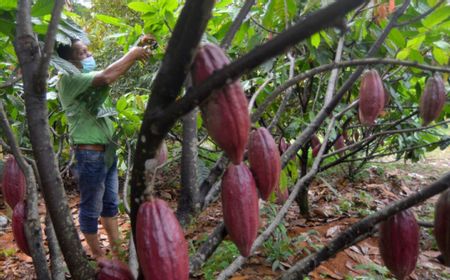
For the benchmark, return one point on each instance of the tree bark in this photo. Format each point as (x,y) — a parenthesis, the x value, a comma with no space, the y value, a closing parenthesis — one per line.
(189,195)
(35,85)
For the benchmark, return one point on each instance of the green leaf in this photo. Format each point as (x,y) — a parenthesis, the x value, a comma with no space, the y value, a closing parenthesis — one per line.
(110,20)
(121,104)
(42,8)
(315,40)
(8,5)
(140,7)
(283,179)
(436,17)
(440,56)
(397,37)
(403,54)
(416,42)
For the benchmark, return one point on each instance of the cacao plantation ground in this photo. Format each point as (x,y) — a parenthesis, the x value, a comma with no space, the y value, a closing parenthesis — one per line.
(336,202)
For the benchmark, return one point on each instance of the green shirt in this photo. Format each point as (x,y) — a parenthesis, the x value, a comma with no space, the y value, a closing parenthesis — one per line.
(86,109)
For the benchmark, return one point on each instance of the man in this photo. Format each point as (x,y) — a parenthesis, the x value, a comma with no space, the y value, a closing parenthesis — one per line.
(84,98)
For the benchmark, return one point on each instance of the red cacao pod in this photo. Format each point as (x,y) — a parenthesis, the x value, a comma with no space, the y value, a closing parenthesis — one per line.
(240,206)
(339,144)
(113,270)
(265,162)
(316,150)
(161,247)
(432,100)
(19,218)
(399,243)
(315,141)
(162,154)
(442,225)
(282,195)
(225,112)
(13,182)
(371,97)
(282,146)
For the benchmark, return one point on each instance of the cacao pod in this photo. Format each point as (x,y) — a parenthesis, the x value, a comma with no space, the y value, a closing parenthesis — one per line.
(265,162)
(399,243)
(161,247)
(113,270)
(316,150)
(162,154)
(315,141)
(442,225)
(371,97)
(19,218)
(240,206)
(432,100)
(282,146)
(13,182)
(282,195)
(339,144)
(225,112)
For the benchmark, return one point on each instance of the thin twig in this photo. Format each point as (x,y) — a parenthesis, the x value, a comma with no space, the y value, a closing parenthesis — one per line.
(421,16)
(226,42)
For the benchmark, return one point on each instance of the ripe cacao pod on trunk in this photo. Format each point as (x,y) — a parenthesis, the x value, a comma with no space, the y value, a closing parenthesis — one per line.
(113,270)
(225,112)
(399,243)
(371,97)
(442,225)
(432,100)
(161,247)
(265,162)
(240,206)
(19,218)
(13,182)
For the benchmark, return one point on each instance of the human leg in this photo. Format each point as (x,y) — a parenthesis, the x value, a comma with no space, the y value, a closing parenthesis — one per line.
(92,175)
(110,208)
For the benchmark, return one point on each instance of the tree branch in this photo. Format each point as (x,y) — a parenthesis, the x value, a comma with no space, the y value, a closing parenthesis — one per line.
(345,239)
(327,67)
(311,24)
(33,225)
(49,43)
(421,16)
(237,23)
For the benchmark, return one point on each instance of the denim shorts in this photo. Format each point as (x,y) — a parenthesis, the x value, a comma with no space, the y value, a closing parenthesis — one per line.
(99,189)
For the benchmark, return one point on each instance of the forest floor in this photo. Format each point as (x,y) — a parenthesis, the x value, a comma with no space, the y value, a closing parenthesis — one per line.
(336,203)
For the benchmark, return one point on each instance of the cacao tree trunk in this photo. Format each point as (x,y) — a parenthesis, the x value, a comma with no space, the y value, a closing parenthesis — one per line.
(188,203)
(34,67)
(302,197)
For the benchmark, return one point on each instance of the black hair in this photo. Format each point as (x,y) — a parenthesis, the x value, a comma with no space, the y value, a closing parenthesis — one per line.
(65,51)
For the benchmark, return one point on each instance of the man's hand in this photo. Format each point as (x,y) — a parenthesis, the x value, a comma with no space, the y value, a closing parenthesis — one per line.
(141,53)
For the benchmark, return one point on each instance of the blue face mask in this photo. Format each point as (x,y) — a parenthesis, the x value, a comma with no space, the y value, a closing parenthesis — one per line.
(88,64)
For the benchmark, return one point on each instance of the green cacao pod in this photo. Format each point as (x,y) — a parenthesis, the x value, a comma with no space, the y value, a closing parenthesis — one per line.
(161,247)
(225,112)
(113,270)
(19,218)
(265,162)
(399,243)
(13,182)
(432,100)
(240,206)
(442,225)
(371,97)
